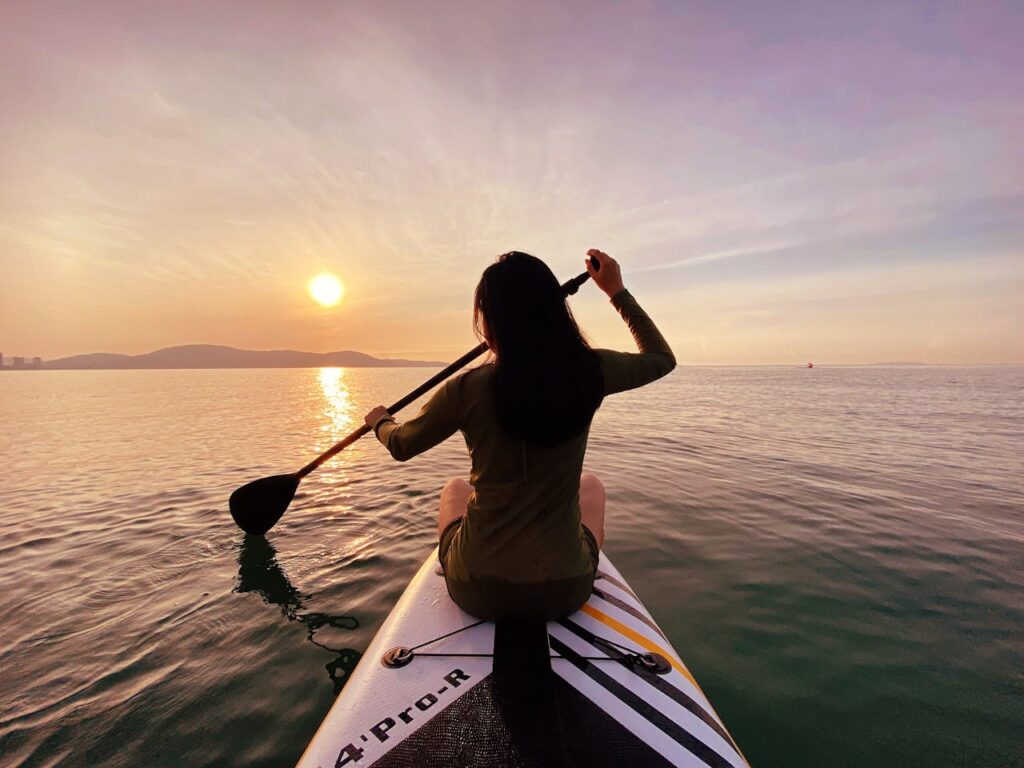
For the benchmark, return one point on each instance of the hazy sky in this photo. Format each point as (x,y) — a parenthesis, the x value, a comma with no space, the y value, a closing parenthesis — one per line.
(782,182)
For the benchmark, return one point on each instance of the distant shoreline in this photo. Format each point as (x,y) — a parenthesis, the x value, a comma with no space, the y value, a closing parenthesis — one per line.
(385,363)
(211,356)
(6,369)
(218,357)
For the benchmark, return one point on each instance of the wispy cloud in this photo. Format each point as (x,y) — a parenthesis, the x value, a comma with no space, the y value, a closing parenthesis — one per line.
(171,174)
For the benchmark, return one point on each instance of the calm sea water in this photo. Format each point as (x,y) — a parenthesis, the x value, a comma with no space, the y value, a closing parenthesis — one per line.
(837,553)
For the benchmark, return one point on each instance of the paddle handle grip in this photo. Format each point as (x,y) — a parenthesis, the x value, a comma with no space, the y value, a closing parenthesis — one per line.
(569,287)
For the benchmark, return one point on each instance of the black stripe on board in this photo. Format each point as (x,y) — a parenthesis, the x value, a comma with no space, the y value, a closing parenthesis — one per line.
(672,729)
(628,609)
(663,685)
(621,585)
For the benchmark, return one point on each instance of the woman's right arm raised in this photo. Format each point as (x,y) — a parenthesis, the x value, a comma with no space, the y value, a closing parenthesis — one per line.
(624,370)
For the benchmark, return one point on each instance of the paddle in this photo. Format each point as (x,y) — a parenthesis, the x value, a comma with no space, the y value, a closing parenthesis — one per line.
(257,506)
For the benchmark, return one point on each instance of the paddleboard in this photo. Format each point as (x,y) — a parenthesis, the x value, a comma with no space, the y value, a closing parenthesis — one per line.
(603,687)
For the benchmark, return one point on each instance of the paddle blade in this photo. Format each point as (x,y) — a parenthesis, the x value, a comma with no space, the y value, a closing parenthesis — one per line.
(258,505)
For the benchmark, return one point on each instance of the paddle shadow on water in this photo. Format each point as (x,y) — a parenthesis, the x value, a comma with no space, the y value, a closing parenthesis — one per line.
(259,572)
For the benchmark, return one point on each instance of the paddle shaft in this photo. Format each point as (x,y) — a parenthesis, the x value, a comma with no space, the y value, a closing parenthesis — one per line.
(569,288)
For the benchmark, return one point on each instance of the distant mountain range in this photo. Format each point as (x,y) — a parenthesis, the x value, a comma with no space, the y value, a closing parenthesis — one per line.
(213,356)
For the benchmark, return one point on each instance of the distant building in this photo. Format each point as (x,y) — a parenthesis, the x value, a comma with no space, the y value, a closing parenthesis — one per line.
(22,364)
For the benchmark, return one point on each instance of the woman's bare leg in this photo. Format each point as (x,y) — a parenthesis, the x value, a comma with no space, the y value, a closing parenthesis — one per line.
(454,498)
(592,505)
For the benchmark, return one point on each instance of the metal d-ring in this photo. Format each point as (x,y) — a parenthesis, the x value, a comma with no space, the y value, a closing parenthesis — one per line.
(397,657)
(654,662)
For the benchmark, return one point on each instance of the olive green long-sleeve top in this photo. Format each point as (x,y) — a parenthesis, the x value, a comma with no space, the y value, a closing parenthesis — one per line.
(522,524)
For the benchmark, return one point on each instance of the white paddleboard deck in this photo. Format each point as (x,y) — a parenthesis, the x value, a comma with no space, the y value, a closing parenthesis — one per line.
(603,687)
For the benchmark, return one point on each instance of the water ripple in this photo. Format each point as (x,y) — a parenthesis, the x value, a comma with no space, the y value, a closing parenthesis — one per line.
(836,553)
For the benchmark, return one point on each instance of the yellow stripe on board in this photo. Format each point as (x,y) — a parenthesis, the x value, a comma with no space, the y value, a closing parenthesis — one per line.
(636,637)
(650,645)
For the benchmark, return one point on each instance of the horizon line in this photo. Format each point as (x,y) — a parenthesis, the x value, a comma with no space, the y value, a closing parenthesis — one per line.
(436,364)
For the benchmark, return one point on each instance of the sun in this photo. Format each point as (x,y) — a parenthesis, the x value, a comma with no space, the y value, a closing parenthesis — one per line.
(326,289)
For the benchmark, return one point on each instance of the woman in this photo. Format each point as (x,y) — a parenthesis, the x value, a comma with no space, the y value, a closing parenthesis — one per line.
(520,540)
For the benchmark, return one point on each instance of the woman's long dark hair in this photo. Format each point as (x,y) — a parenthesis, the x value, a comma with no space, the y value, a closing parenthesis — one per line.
(548,381)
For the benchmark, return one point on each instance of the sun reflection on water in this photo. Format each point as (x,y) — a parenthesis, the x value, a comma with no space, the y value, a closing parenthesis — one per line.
(338,405)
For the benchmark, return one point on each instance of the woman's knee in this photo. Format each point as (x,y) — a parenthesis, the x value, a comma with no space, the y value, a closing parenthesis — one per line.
(454,497)
(591,485)
(456,485)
